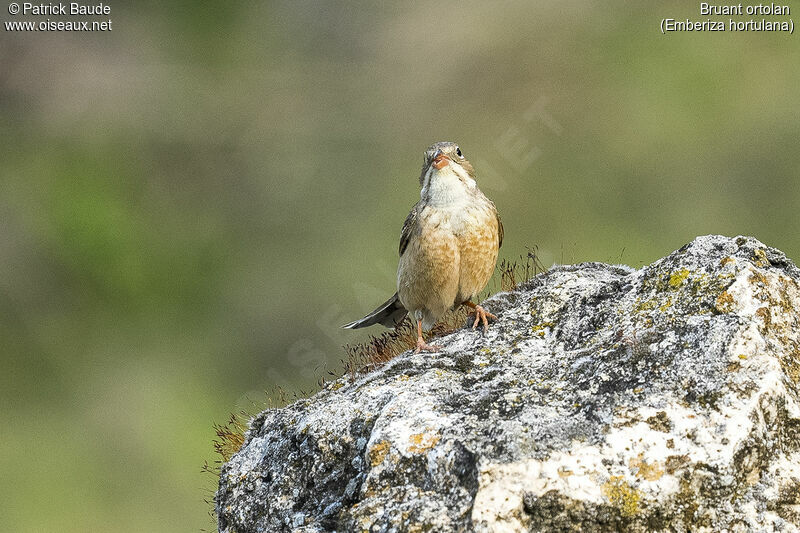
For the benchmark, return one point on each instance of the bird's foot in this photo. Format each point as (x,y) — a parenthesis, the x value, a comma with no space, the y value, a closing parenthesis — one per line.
(482,315)
(424,347)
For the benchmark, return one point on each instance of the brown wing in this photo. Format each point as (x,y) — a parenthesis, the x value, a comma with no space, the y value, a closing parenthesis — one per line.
(408,227)
(500,230)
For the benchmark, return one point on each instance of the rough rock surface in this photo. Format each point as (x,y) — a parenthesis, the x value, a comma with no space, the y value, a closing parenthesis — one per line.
(604,399)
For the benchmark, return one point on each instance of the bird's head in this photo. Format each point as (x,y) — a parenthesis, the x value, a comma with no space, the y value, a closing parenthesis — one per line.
(445,171)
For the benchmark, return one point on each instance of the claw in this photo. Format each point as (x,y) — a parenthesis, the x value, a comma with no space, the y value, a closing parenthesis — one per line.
(422,346)
(482,315)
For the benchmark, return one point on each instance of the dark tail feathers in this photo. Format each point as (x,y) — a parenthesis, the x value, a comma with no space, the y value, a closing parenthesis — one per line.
(390,314)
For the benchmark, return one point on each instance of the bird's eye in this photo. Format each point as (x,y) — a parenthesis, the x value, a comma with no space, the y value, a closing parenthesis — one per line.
(458,152)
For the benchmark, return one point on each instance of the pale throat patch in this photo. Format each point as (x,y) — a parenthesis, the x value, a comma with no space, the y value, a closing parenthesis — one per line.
(448,184)
(463,173)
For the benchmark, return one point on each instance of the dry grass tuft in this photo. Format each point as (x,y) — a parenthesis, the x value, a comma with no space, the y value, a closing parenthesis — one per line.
(230,437)
(380,349)
(514,273)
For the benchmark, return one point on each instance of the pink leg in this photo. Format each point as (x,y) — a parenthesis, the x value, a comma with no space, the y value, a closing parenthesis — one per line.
(421,345)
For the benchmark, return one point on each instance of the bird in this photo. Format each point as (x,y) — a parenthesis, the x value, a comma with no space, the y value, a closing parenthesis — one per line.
(448,248)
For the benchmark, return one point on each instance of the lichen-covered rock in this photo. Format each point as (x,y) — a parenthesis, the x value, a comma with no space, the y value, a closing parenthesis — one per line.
(604,399)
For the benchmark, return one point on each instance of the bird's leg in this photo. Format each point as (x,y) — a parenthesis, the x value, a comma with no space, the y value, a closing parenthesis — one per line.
(481,315)
(421,345)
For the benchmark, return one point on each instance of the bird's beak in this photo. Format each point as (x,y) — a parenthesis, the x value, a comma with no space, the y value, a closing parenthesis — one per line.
(440,160)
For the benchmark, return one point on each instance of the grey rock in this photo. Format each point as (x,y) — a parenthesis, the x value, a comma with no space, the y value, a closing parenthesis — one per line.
(604,399)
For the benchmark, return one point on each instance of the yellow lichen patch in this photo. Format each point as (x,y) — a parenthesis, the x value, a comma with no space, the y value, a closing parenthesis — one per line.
(785,302)
(765,315)
(726,261)
(725,302)
(378,452)
(677,278)
(649,471)
(564,472)
(422,442)
(675,462)
(791,364)
(646,305)
(338,385)
(793,371)
(757,277)
(539,329)
(622,495)
(760,258)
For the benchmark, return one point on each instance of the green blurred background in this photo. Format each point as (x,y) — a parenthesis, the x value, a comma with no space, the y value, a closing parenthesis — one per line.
(192,203)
